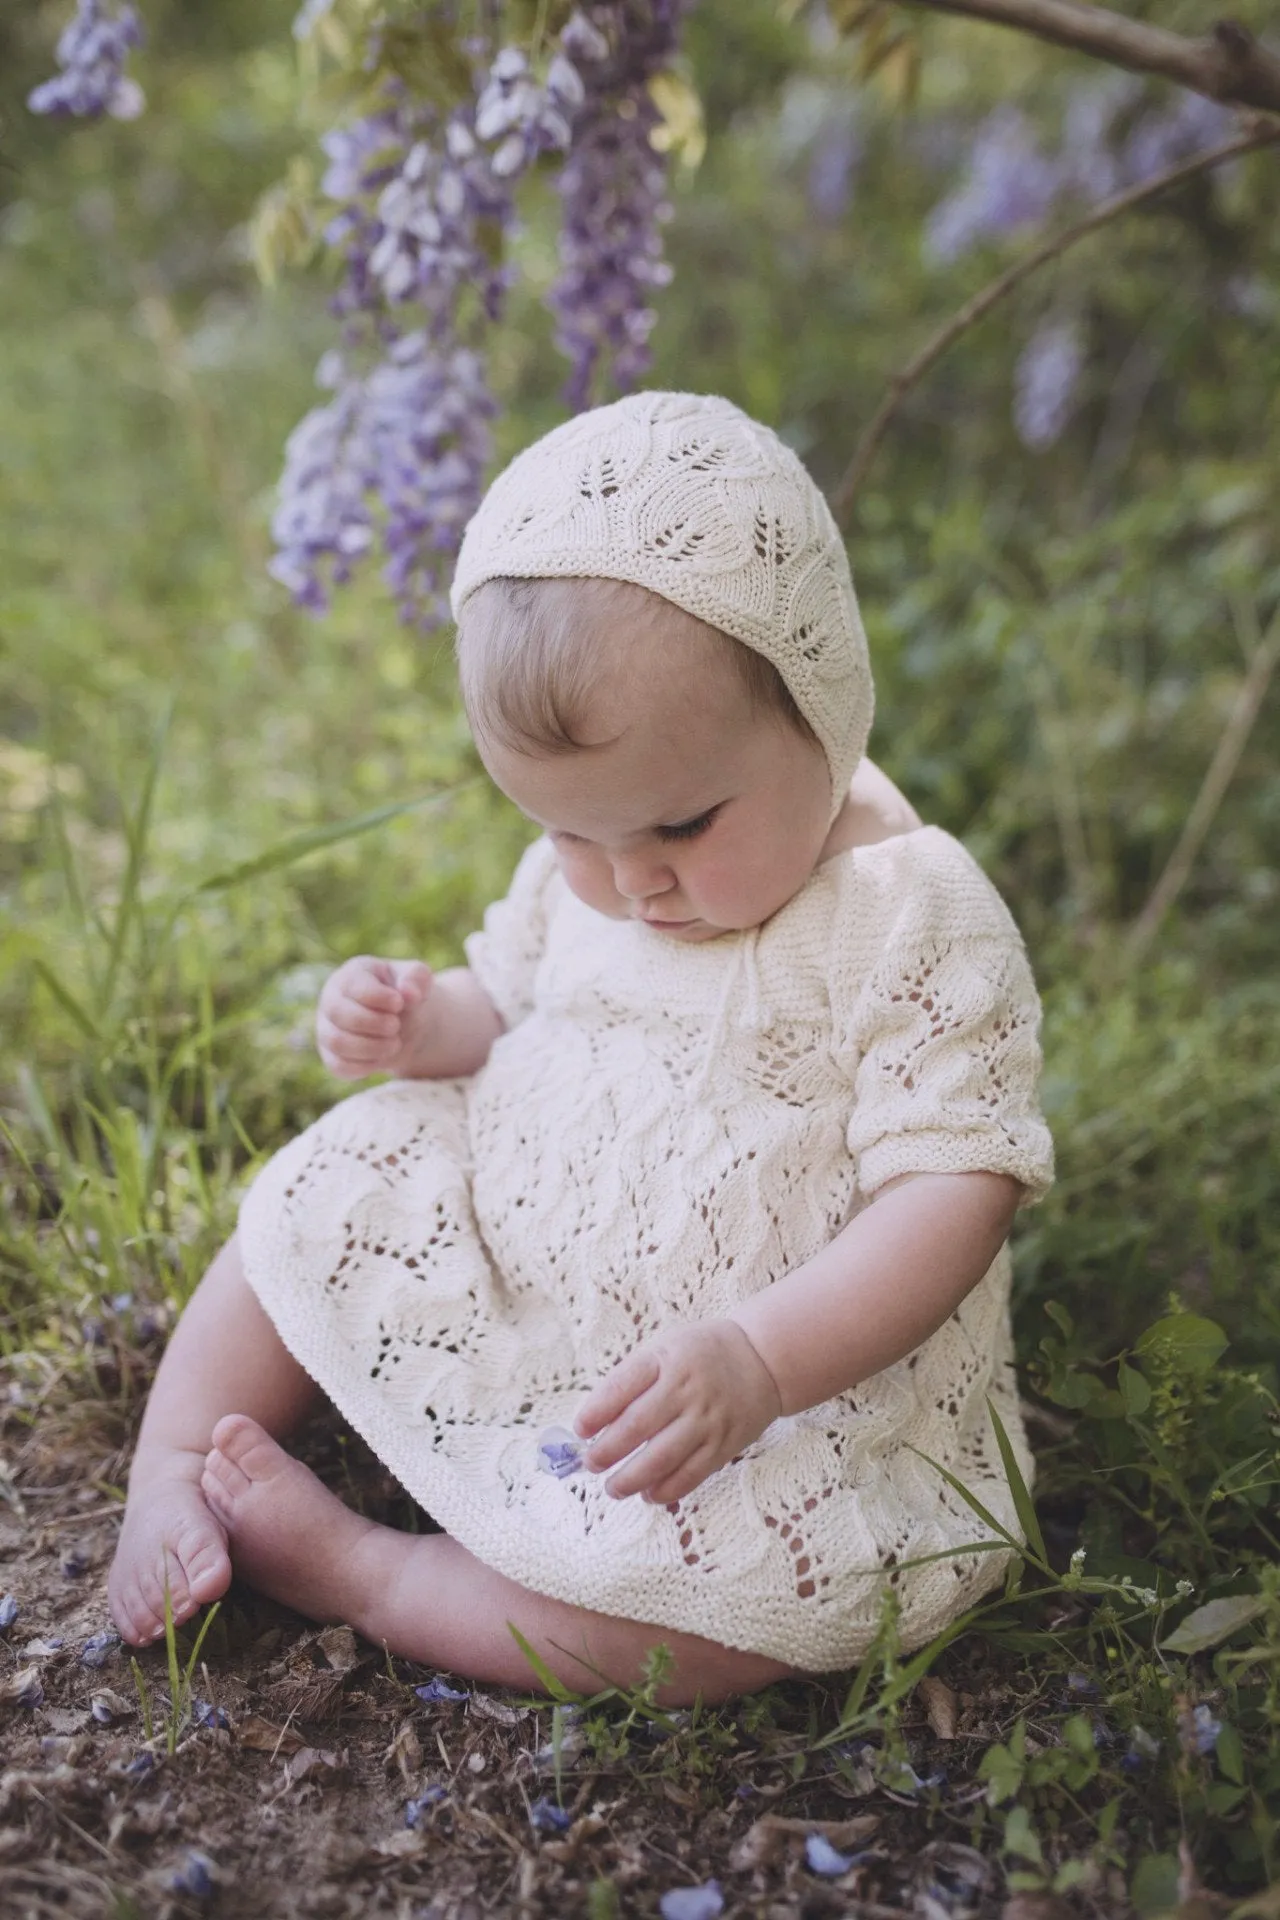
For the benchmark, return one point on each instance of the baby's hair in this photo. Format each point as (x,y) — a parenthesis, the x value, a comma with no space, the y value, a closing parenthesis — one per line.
(531,654)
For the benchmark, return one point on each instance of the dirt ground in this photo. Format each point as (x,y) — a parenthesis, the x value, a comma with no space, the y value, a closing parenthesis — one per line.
(311,1779)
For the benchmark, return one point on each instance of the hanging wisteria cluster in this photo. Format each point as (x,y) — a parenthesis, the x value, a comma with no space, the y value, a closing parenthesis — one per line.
(421,210)
(91,56)
(1109,143)
(424,206)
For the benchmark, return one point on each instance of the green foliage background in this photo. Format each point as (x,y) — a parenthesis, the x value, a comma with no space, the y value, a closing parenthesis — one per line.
(1058,640)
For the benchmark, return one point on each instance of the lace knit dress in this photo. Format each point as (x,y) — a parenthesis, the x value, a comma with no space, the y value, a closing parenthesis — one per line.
(663,1130)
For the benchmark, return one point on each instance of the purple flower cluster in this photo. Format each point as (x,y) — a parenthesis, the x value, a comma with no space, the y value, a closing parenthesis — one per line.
(397,455)
(91,54)
(1109,142)
(613,190)
(1045,381)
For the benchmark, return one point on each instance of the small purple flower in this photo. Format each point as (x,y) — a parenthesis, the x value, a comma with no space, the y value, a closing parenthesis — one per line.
(9,1611)
(438,1689)
(559,1452)
(1045,381)
(833,165)
(92,52)
(821,1857)
(692,1903)
(1009,184)
(429,1797)
(206,1716)
(98,1650)
(102,1713)
(73,1563)
(546,1817)
(140,1766)
(1204,1729)
(1160,140)
(194,1876)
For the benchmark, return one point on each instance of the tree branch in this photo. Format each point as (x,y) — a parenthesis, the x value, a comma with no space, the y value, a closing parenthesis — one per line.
(1244,711)
(910,376)
(1228,64)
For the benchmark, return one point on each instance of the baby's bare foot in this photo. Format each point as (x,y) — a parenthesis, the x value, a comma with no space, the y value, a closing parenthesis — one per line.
(170,1533)
(289,1536)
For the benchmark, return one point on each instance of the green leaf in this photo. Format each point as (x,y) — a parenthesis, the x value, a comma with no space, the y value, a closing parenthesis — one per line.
(1216,1621)
(315,839)
(1190,1342)
(1134,1389)
(1154,1887)
(1024,1506)
(553,1684)
(1230,1754)
(1020,1837)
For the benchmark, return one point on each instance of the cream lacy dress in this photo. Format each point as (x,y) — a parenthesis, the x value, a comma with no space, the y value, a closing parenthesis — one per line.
(663,1130)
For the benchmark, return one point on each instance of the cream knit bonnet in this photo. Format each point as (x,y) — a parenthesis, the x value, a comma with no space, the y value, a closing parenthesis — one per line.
(684,494)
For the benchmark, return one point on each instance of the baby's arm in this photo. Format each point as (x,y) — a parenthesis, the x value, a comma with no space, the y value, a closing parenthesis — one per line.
(397,1017)
(700,1393)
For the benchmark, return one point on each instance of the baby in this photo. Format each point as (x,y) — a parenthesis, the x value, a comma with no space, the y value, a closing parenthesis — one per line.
(692,1186)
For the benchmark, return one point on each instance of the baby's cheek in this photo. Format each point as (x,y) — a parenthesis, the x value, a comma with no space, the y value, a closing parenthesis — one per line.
(590,881)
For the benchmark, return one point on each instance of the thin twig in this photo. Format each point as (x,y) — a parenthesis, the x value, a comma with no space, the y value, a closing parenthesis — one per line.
(996,290)
(1217,779)
(1227,64)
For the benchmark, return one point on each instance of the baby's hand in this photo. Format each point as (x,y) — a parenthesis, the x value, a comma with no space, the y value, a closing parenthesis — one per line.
(364,1022)
(696,1395)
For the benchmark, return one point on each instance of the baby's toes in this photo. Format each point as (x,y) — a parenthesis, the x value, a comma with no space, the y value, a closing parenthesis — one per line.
(203,1562)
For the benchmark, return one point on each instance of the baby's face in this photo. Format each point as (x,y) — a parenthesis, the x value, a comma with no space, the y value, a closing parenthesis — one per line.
(694,813)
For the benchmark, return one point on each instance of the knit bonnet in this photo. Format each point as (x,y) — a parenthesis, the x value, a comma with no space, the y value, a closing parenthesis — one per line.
(684,494)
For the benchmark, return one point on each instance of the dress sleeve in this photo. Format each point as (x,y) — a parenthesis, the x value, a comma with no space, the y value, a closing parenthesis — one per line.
(943,1037)
(505,955)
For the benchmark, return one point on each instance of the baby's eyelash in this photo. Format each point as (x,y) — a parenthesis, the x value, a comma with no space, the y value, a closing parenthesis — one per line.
(689,829)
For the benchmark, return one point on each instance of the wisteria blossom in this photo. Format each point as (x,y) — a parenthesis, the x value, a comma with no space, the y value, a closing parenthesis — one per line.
(1009,184)
(1045,381)
(613,195)
(91,54)
(396,457)
(1107,144)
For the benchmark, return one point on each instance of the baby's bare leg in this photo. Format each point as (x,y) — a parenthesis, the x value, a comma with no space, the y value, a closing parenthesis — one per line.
(425,1596)
(224,1355)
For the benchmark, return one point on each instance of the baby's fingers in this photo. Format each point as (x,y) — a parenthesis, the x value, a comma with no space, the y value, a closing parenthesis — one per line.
(630,1378)
(666,1460)
(351,1016)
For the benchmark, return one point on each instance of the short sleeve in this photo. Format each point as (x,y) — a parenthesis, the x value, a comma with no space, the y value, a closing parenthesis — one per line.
(505,955)
(943,1038)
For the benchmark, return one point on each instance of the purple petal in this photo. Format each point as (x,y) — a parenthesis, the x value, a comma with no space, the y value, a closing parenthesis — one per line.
(98,1650)
(438,1689)
(429,1797)
(821,1857)
(547,1817)
(692,1903)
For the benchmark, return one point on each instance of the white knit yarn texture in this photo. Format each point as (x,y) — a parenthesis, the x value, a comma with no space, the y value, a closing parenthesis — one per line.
(663,1131)
(686,495)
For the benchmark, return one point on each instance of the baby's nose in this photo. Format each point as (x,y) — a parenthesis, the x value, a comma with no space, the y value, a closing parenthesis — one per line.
(640,878)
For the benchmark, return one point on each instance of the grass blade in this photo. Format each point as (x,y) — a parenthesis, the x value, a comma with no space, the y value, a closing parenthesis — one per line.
(1024,1506)
(553,1685)
(137,830)
(315,839)
(67,1001)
